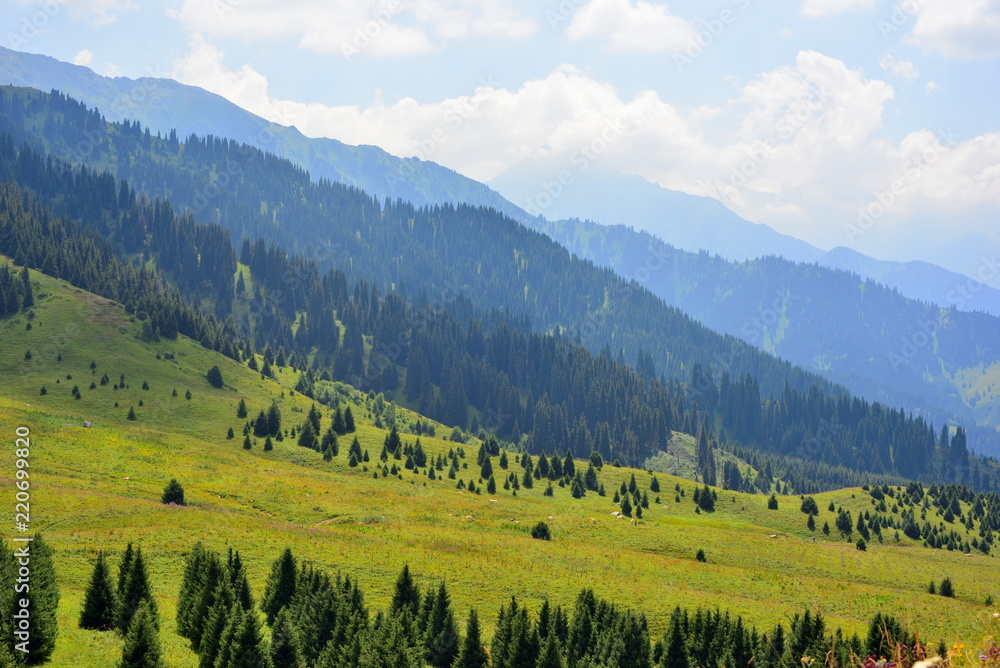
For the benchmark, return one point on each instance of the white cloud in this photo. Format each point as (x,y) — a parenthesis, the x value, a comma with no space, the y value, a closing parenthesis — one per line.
(384,28)
(785,33)
(898,68)
(84,58)
(820,8)
(799,149)
(480,134)
(632,27)
(112,70)
(930,87)
(964,29)
(95,12)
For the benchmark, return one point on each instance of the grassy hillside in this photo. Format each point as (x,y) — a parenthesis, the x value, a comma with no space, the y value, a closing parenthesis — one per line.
(99,487)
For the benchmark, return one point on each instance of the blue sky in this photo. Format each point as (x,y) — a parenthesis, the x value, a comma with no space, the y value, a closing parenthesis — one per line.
(799,113)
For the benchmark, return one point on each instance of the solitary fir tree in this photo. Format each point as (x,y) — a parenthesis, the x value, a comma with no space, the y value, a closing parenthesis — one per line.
(214,377)
(173,493)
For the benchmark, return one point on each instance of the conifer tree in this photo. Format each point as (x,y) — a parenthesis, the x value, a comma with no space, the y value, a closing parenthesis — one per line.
(486,472)
(142,642)
(42,599)
(284,643)
(242,645)
(124,567)
(441,636)
(29,299)
(550,656)
(674,650)
(214,377)
(349,420)
(280,587)
(241,409)
(173,493)
(405,594)
(472,653)
(216,618)
(307,436)
(137,590)
(339,426)
(98,613)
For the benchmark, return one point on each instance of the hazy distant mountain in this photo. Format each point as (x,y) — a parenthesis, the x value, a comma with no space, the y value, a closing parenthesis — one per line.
(164,105)
(866,336)
(918,280)
(604,195)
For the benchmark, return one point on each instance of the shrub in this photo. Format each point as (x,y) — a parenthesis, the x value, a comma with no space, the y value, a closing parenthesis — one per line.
(214,377)
(541,532)
(173,493)
(701,556)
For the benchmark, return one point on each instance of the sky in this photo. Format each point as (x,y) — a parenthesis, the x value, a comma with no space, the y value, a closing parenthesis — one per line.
(865,123)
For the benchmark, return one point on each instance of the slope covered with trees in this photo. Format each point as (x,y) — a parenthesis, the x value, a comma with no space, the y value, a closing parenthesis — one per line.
(456,363)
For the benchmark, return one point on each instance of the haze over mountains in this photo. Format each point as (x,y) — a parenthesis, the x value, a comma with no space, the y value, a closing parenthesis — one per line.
(950,381)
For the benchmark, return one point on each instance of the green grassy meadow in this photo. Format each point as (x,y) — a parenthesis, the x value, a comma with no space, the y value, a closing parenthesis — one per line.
(98,488)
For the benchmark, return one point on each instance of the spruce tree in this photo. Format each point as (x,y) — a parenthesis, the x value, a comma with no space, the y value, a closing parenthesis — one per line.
(472,653)
(216,618)
(280,587)
(42,601)
(550,656)
(214,377)
(29,299)
(405,594)
(284,643)
(136,591)
(307,436)
(98,613)
(349,420)
(441,635)
(242,645)
(946,588)
(142,643)
(241,409)
(339,426)
(674,642)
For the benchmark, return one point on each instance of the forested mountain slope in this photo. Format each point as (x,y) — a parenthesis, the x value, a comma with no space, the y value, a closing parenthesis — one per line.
(516,383)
